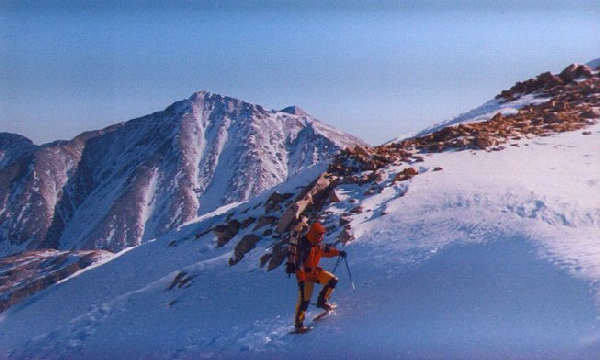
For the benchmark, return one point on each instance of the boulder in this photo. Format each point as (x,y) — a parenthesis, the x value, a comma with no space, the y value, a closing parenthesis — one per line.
(345,236)
(333,196)
(274,201)
(484,141)
(265,220)
(247,222)
(551,118)
(313,193)
(549,80)
(247,243)
(591,114)
(278,255)
(497,117)
(561,106)
(568,74)
(575,71)
(344,220)
(264,259)
(226,232)
(406,174)
(268,232)
(356,210)
(178,280)
(359,150)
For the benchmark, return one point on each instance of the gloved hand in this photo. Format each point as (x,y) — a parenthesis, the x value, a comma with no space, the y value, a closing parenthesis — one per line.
(343,253)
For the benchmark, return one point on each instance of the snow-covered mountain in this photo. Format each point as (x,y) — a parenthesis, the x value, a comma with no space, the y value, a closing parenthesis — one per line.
(475,240)
(130,182)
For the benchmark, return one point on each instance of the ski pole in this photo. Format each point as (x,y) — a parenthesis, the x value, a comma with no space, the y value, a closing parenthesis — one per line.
(349,274)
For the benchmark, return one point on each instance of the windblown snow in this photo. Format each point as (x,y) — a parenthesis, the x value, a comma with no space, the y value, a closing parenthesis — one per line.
(495,256)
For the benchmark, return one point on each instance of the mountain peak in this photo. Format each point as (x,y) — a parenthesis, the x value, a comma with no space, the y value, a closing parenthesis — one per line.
(295,110)
(10,138)
(189,159)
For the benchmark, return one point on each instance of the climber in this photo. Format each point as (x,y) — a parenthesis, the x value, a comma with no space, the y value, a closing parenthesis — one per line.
(308,272)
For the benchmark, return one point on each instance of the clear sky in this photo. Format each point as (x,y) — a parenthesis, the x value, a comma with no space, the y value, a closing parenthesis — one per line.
(374,69)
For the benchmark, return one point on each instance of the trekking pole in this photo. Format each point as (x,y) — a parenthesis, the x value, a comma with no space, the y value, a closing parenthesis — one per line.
(349,274)
(336,264)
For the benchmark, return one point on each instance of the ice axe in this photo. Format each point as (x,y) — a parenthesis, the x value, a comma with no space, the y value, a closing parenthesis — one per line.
(347,268)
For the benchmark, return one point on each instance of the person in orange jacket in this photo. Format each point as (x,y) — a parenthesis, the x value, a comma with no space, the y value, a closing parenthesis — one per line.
(309,273)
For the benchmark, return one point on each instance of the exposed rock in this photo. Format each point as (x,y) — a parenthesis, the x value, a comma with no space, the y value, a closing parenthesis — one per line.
(264,259)
(550,118)
(247,222)
(406,174)
(361,151)
(265,220)
(181,280)
(311,194)
(575,71)
(344,220)
(549,80)
(278,255)
(345,236)
(591,114)
(247,243)
(356,210)
(275,200)
(497,117)
(484,141)
(30,272)
(226,232)
(333,196)
(268,232)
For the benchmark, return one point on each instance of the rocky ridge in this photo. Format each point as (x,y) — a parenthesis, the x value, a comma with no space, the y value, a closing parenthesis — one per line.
(570,102)
(27,273)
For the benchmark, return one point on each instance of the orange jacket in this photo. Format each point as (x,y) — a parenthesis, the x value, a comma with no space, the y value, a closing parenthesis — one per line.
(310,269)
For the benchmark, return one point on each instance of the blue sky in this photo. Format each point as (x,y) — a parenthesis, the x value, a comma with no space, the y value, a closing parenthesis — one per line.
(376,70)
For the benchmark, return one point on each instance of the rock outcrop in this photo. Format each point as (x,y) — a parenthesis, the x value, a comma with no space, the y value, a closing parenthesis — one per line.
(30,272)
(573,102)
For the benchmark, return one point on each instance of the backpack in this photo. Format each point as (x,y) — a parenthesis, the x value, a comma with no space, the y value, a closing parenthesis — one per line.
(297,248)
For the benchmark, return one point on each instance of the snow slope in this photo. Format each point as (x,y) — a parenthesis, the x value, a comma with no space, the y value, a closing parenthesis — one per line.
(494,256)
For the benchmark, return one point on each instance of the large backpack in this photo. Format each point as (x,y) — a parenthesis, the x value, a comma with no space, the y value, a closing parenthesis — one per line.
(297,247)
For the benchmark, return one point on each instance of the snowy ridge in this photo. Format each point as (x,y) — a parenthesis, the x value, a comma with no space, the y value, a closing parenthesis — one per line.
(480,114)
(594,64)
(485,112)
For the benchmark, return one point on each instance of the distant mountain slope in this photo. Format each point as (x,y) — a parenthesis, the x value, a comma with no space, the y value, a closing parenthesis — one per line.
(114,187)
